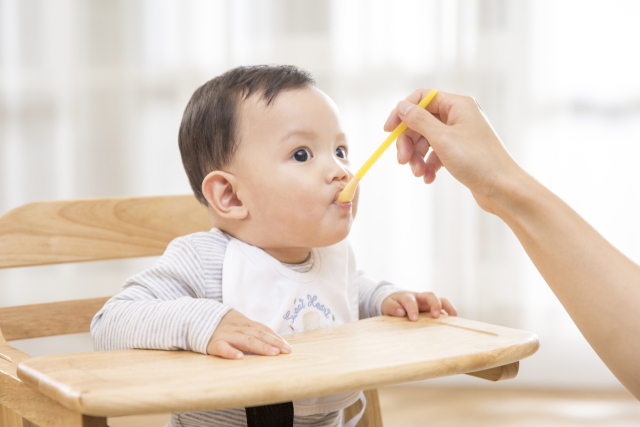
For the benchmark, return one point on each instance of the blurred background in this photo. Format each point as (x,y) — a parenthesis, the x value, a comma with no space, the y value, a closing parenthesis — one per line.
(92,93)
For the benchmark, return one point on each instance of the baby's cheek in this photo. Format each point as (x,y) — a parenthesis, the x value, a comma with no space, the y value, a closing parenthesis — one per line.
(298,207)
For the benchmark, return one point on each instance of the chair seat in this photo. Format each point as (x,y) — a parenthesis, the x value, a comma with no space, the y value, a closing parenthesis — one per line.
(366,354)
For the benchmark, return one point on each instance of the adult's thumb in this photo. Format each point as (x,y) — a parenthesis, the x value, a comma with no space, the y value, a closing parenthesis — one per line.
(420,120)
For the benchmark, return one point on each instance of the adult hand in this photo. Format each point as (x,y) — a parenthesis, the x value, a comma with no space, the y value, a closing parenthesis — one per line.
(597,285)
(236,332)
(462,139)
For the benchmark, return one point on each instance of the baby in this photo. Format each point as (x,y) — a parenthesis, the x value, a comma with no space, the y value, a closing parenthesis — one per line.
(265,152)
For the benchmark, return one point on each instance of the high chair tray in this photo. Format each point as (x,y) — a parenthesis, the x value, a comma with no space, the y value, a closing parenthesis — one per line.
(366,354)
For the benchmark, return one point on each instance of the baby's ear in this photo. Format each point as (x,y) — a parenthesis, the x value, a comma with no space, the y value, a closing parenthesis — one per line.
(220,189)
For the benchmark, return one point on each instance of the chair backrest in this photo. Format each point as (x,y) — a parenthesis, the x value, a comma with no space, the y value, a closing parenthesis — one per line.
(68,231)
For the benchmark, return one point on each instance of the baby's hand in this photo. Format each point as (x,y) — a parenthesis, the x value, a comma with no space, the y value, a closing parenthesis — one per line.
(411,303)
(235,332)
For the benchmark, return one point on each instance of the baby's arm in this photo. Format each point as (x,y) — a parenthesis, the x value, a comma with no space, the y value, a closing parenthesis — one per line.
(377,298)
(371,294)
(165,307)
(177,305)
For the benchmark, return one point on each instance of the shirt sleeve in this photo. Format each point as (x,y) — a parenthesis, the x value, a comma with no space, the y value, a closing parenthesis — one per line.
(371,294)
(164,308)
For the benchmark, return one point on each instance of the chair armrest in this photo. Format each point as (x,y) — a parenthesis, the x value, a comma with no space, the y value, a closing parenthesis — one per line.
(36,407)
(11,354)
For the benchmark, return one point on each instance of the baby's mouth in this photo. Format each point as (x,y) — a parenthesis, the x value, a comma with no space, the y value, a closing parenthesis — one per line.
(342,205)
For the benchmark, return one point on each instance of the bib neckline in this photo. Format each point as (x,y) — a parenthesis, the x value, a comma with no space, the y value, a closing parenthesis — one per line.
(282,269)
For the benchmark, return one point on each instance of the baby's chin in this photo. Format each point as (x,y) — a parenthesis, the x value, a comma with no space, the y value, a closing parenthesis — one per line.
(331,237)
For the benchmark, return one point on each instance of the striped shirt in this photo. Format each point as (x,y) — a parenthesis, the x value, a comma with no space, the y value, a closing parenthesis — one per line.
(177,305)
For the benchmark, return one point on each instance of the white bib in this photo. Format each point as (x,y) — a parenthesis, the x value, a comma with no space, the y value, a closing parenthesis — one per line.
(261,288)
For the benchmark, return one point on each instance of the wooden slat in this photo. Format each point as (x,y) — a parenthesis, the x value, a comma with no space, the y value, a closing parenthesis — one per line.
(32,405)
(45,320)
(361,355)
(499,373)
(96,229)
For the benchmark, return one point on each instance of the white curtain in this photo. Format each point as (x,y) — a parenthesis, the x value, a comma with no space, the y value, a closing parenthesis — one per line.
(91,96)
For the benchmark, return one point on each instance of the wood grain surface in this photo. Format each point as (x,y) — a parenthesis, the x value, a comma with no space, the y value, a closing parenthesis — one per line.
(96,229)
(360,355)
(26,402)
(8,418)
(49,319)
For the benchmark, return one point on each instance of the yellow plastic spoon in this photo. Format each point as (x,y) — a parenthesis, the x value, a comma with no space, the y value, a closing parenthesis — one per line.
(350,190)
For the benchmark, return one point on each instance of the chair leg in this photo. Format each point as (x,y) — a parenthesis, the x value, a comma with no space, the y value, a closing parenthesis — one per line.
(372,416)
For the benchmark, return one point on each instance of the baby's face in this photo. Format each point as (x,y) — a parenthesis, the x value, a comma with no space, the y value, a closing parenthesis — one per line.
(291,163)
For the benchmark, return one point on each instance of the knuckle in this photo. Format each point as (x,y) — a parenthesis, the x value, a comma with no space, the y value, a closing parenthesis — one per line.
(417,116)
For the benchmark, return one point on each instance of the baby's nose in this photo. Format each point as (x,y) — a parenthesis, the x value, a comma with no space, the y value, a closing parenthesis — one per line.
(340,173)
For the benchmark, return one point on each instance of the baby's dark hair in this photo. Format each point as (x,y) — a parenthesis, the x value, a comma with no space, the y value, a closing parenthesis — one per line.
(208,130)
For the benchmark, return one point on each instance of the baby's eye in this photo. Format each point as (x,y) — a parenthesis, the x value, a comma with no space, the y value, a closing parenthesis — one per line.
(341,152)
(301,155)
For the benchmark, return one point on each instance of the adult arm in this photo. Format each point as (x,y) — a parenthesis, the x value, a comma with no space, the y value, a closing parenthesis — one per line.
(598,286)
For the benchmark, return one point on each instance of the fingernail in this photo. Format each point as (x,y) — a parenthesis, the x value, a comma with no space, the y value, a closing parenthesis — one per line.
(414,317)
(238,355)
(404,107)
(274,350)
(435,313)
(413,168)
(287,347)
(399,312)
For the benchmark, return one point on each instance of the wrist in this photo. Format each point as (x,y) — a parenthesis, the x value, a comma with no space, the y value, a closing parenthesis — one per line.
(517,196)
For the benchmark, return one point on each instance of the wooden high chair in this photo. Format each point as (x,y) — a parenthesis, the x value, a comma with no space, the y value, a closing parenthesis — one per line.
(83,389)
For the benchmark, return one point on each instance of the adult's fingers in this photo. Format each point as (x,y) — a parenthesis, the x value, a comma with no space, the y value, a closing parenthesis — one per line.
(409,142)
(224,349)
(432,166)
(404,144)
(415,98)
(267,336)
(245,342)
(408,301)
(448,307)
(421,121)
